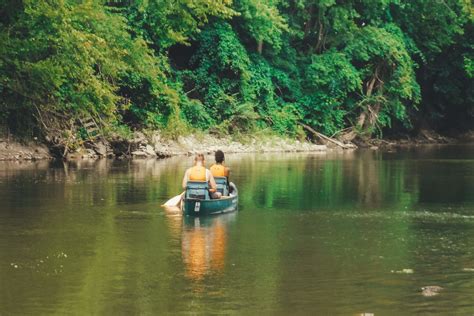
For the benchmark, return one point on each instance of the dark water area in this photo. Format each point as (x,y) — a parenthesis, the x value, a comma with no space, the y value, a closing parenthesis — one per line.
(324,233)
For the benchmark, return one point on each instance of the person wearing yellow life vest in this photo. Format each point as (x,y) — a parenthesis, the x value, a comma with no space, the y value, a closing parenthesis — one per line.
(218,169)
(198,172)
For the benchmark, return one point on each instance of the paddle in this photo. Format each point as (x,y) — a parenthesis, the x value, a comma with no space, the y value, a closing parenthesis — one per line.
(174,201)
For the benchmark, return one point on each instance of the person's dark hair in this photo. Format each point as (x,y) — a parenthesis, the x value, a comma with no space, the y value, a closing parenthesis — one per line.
(219,156)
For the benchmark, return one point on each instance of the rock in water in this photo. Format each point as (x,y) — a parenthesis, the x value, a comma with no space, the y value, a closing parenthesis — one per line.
(139,154)
(431,290)
(406,271)
(150,151)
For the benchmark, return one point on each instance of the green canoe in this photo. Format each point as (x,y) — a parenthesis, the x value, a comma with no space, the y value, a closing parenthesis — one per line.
(198,203)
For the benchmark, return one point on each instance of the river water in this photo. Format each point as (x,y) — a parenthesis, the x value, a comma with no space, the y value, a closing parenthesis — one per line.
(324,233)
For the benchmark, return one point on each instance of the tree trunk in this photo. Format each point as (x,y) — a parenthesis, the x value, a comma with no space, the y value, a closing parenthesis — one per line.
(309,23)
(259,46)
(368,117)
(363,116)
(319,42)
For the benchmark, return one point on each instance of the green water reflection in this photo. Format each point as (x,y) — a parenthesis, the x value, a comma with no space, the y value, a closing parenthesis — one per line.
(318,233)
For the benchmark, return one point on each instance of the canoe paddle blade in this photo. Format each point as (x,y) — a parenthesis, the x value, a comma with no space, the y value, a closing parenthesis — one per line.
(174,201)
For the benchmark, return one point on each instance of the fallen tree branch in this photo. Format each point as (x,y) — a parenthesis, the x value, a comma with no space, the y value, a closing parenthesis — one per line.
(340,131)
(336,142)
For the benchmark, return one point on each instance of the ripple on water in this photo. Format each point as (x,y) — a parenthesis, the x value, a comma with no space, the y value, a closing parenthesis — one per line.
(435,216)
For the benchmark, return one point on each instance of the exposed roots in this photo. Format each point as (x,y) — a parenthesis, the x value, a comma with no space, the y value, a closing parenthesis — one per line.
(59,131)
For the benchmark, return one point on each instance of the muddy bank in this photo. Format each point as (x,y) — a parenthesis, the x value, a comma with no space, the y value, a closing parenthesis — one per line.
(424,137)
(14,150)
(142,146)
(150,146)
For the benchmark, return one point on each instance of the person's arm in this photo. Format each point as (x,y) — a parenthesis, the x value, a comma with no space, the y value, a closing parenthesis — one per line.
(212,181)
(185,179)
(227,173)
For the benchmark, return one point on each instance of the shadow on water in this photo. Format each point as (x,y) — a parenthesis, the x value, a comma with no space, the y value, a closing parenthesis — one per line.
(324,232)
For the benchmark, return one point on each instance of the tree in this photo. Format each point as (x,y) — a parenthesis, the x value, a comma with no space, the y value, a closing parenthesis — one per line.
(64,59)
(388,76)
(165,23)
(262,20)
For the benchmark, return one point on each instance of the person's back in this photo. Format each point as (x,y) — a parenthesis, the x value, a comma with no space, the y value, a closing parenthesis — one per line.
(198,172)
(218,169)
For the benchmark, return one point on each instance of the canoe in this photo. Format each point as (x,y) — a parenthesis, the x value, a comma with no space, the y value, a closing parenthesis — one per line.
(193,206)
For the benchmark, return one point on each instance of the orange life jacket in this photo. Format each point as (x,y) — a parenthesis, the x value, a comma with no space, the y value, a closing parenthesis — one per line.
(217,170)
(197,173)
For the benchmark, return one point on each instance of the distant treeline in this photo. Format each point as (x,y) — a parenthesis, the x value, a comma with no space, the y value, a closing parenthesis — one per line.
(362,67)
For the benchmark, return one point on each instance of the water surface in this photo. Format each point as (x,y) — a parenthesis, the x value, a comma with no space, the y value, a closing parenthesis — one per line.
(324,233)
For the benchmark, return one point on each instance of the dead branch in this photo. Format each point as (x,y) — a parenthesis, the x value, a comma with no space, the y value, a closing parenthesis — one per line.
(336,142)
(340,131)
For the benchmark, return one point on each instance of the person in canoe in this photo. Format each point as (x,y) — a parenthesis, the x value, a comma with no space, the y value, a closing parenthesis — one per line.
(198,172)
(219,169)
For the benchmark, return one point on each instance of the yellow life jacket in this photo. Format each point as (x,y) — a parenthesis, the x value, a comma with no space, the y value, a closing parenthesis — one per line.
(197,173)
(217,170)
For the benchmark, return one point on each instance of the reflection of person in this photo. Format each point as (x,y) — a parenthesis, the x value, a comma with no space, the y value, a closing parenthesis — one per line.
(199,173)
(218,169)
(204,249)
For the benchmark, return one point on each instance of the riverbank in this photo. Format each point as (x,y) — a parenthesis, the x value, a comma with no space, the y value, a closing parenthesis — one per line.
(152,145)
(11,149)
(424,137)
(142,146)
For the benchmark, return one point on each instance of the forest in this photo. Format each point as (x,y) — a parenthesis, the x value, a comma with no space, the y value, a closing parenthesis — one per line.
(353,68)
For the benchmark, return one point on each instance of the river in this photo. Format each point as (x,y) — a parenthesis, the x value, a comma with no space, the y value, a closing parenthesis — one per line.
(325,233)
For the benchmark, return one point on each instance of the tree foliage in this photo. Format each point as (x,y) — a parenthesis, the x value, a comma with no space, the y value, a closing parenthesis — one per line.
(238,65)
(77,59)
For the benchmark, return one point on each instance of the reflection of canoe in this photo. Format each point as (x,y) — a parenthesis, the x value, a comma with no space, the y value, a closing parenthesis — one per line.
(195,222)
(195,206)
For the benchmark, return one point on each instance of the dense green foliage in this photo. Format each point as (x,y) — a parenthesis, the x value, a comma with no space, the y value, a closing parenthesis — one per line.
(236,66)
